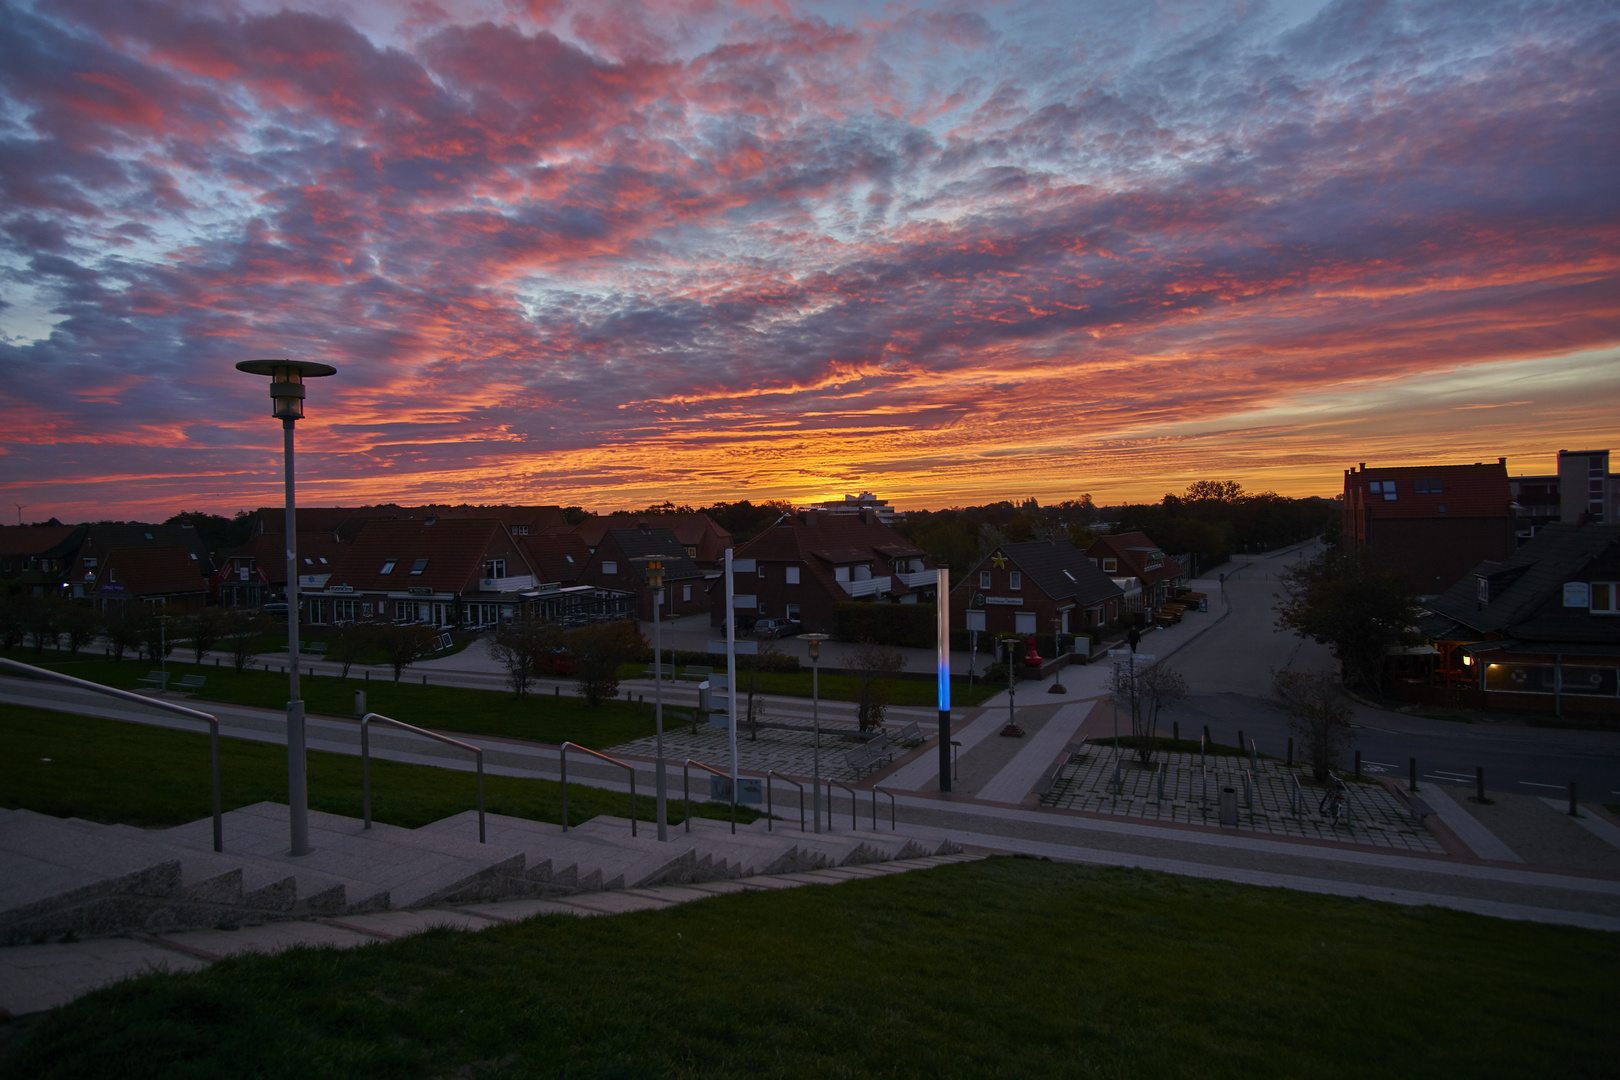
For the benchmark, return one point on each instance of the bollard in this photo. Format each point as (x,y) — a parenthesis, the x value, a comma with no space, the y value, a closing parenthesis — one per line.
(1206,734)
(1572,812)
(368,675)
(424,680)
(1411,784)
(1358,764)
(1290,753)
(556,691)
(359,703)
(1479,783)
(1240,742)
(1175,731)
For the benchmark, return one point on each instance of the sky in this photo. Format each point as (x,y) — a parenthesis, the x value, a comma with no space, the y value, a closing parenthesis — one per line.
(608,253)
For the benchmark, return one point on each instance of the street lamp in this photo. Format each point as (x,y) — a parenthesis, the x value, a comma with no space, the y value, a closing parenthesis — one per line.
(287,404)
(1012,644)
(655,579)
(815,641)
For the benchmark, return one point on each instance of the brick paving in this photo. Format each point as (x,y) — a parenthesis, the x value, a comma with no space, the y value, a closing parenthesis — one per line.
(785,751)
(1266,805)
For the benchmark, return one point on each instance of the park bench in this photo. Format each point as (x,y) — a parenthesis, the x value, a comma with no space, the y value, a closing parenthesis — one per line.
(652,672)
(860,759)
(878,746)
(157,680)
(1053,771)
(316,648)
(694,671)
(1414,805)
(911,735)
(190,684)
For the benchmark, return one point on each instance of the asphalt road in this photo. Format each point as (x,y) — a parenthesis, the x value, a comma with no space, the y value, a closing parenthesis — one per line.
(1228,670)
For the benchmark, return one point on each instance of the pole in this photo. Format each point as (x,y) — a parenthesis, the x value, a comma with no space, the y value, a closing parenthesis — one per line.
(658,712)
(942,606)
(297,776)
(731,669)
(815,720)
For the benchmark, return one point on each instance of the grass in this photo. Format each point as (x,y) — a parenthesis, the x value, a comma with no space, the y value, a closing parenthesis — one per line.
(135,774)
(834,687)
(537,717)
(1002,968)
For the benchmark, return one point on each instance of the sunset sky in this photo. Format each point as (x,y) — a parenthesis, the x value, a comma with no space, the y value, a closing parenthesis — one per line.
(610,253)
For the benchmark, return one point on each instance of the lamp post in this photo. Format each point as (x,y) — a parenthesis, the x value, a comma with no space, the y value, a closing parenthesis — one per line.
(287,405)
(655,579)
(815,641)
(1012,644)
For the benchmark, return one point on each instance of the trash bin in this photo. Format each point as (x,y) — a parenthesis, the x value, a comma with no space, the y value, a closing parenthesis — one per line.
(1203,605)
(1229,813)
(359,703)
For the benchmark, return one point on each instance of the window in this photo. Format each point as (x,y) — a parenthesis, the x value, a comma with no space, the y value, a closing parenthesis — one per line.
(760,568)
(762,609)
(388,566)
(1382,489)
(1110,566)
(418,566)
(366,610)
(1024,622)
(610,567)
(1069,576)
(570,559)
(403,610)
(1605,597)
(793,612)
(1482,591)
(495,568)
(1015,580)
(323,560)
(88,564)
(984,579)
(691,551)
(686,592)
(520,530)
(307,560)
(793,575)
(840,573)
(1424,485)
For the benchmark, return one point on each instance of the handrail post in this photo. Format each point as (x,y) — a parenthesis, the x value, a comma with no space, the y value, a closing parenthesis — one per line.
(686,791)
(365,770)
(480,796)
(770,807)
(890,794)
(213,769)
(565,786)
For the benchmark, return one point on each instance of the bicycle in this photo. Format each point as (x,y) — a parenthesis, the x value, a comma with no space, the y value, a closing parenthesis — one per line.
(1333,803)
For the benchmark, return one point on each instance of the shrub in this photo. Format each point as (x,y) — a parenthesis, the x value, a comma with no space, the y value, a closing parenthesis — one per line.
(907,625)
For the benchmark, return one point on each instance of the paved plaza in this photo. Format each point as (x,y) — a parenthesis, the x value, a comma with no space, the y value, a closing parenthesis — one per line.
(1270,800)
(784,750)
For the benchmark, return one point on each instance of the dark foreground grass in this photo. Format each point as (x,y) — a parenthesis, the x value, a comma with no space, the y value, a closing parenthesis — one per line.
(1004,968)
(116,771)
(536,717)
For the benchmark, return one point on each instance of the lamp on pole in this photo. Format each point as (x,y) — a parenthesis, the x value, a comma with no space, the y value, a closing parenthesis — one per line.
(287,405)
(1012,644)
(655,579)
(815,641)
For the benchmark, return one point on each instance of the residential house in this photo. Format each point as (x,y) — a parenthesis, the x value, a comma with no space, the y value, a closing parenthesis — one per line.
(1035,587)
(558,553)
(704,539)
(160,575)
(1433,522)
(82,569)
(1537,631)
(614,565)
(1146,575)
(808,561)
(34,558)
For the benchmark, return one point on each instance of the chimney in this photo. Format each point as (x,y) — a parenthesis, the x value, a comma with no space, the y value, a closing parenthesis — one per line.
(1501,461)
(808,517)
(869,516)
(1363,466)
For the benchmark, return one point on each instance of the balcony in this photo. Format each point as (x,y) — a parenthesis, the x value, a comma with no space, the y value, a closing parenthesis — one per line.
(513,583)
(919,578)
(870,587)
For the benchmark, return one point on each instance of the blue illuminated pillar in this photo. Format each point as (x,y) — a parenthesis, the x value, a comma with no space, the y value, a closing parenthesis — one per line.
(942,607)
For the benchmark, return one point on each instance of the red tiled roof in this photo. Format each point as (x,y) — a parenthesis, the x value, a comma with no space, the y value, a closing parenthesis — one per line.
(32,539)
(156,570)
(454,550)
(834,539)
(1465,491)
(1132,550)
(698,531)
(550,553)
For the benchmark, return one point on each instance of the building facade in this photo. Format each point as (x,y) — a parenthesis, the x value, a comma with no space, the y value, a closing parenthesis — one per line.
(1432,522)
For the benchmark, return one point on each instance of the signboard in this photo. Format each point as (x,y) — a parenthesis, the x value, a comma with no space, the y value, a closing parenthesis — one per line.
(1576,594)
(340,588)
(421,590)
(750,790)
(1013,601)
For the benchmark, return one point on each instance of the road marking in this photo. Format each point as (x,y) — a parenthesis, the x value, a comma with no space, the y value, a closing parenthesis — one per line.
(1381,764)
(1532,783)
(1449,779)
(1465,776)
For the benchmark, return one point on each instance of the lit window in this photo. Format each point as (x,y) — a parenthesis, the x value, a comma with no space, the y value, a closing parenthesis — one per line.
(793,575)
(1605,597)
(1015,580)
(388,566)
(691,552)
(1110,566)
(418,566)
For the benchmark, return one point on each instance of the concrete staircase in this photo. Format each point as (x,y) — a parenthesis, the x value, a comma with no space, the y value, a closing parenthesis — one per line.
(66,876)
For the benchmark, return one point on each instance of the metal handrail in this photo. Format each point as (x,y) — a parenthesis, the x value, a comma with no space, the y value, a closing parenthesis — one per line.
(611,761)
(770,807)
(686,791)
(854,803)
(365,762)
(890,794)
(127,695)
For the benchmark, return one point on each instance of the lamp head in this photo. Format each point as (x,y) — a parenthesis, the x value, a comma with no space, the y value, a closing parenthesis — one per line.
(286,383)
(655,569)
(815,641)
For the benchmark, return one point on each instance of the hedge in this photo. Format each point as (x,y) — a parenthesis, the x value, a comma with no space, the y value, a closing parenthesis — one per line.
(906,625)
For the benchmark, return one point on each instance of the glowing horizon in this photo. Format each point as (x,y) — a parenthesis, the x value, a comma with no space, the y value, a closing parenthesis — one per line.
(610,254)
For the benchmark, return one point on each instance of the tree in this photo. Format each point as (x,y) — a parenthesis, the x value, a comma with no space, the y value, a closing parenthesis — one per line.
(1358,608)
(518,646)
(873,663)
(123,627)
(598,651)
(241,631)
(403,644)
(1143,690)
(41,615)
(81,624)
(1214,491)
(1317,716)
(763,660)
(204,629)
(353,641)
(13,628)
(159,631)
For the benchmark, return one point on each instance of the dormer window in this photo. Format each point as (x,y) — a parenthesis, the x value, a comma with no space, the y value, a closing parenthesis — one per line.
(1110,566)
(520,530)
(1483,592)
(418,566)
(1605,597)
(691,552)
(388,566)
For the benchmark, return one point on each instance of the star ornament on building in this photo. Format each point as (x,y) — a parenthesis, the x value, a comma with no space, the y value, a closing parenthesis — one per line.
(999,561)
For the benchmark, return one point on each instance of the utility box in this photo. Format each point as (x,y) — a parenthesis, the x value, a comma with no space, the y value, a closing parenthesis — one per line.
(1229,811)
(750,790)
(1203,605)
(359,703)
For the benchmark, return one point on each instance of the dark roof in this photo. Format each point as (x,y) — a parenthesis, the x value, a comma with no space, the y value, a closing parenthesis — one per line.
(32,540)
(1526,589)
(636,543)
(834,539)
(1132,550)
(1465,491)
(558,553)
(454,549)
(1061,570)
(698,531)
(153,570)
(101,538)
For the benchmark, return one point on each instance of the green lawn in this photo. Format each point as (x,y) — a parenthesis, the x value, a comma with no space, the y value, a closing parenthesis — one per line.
(1005,968)
(908,692)
(116,771)
(537,717)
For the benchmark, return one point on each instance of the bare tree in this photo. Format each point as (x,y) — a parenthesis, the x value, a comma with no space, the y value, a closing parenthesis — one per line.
(353,641)
(204,629)
(242,629)
(12,627)
(598,651)
(81,624)
(123,630)
(404,644)
(763,660)
(1317,715)
(1142,690)
(42,615)
(874,663)
(519,645)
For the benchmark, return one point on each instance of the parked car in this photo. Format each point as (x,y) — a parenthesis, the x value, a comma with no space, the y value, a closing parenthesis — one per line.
(776,628)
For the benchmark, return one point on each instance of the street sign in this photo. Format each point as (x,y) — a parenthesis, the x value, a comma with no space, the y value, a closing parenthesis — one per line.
(750,790)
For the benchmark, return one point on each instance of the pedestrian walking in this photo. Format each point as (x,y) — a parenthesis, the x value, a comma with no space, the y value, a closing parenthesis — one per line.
(1134,638)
